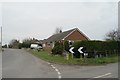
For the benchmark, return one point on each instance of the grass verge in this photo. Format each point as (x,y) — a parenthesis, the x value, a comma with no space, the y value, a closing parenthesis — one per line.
(75,61)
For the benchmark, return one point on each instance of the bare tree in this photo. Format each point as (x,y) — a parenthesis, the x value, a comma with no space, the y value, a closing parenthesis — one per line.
(58,30)
(113,35)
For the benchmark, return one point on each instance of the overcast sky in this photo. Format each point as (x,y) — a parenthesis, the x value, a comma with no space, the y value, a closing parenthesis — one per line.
(40,19)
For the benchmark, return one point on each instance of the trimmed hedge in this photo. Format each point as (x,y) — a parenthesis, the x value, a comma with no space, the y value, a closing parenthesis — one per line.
(97,48)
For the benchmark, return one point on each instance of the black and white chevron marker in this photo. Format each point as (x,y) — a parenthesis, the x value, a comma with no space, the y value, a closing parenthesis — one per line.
(71,51)
(80,50)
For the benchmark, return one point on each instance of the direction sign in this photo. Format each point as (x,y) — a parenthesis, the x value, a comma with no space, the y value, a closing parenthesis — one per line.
(80,50)
(71,50)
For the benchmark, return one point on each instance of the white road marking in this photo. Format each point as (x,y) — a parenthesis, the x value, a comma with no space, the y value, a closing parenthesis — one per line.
(54,67)
(102,75)
(48,63)
(59,77)
(56,70)
(59,74)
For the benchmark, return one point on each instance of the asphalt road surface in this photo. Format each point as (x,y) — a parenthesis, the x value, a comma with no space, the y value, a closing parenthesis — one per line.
(104,71)
(20,64)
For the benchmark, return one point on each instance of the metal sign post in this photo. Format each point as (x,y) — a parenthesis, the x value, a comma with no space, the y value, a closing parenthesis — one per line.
(81,52)
(71,50)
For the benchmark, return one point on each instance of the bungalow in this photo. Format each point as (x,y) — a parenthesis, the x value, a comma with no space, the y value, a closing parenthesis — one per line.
(70,35)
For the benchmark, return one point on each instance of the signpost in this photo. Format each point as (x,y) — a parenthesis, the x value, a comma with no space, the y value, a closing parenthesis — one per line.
(80,50)
(71,50)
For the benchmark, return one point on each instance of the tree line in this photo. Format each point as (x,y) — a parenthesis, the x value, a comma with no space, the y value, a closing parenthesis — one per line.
(14,43)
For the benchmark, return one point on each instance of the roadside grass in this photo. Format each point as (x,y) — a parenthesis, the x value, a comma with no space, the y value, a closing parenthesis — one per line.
(75,61)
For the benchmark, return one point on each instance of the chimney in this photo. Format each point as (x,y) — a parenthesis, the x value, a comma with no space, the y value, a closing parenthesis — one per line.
(60,31)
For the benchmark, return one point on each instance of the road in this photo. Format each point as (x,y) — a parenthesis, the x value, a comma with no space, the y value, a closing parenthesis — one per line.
(104,71)
(21,64)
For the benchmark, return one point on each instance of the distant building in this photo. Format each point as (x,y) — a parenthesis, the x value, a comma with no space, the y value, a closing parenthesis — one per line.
(70,35)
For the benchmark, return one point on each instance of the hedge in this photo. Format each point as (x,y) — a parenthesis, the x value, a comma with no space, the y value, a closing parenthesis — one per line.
(104,48)
(58,48)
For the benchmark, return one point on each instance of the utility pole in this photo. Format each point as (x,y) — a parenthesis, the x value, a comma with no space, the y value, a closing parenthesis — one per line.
(1,38)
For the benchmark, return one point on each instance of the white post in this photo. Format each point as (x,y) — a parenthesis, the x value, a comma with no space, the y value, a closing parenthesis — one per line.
(72,56)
